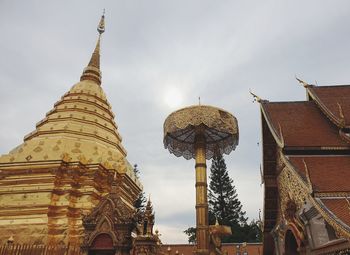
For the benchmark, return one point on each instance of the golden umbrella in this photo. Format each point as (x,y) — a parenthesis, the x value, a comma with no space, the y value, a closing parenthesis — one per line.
(199,132)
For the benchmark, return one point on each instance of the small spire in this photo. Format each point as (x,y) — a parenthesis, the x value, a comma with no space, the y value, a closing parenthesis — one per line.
(92,71)
(149,207)
(216,222)
(101,25)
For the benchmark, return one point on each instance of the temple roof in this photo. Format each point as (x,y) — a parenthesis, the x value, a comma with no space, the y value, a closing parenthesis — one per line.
(229,248)
(310,138)
(338,207)
(334,101)
(329,177)
(80,127)
(327,173)
(301,124)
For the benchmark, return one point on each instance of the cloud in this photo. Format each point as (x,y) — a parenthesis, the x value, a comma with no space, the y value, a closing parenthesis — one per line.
(215,50)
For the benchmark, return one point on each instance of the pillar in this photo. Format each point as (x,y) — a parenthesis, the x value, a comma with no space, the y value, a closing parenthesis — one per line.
(201,196)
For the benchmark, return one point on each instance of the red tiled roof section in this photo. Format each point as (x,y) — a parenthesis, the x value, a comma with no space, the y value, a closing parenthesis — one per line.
(302,124)
(339,207)
(185,249)
(328,98)
(327,173)
(231,248)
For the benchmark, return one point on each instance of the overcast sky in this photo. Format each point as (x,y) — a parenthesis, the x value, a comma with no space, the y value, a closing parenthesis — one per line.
(158,56)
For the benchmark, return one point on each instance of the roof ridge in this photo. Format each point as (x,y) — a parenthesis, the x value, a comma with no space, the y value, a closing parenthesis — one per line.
(330,86)
(288,102)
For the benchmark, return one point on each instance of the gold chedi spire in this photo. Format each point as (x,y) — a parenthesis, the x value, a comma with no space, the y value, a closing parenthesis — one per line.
(92,72)
(79,128)
(63,168)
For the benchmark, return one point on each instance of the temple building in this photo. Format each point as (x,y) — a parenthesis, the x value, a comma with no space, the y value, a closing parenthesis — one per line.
(70,180)
(306,172)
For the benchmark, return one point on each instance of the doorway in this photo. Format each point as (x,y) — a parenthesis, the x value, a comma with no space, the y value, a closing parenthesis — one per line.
(101,252)
(102,245)
(291,245)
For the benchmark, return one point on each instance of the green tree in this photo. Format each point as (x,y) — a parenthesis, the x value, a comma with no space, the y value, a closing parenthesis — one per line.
(223,198)
(225,206)
(140,201)
(191,232)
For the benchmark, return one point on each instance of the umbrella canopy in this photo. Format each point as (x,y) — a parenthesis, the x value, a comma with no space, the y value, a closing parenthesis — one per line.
(219,128)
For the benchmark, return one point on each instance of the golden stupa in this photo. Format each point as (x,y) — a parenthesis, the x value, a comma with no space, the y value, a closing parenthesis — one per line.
(63,168)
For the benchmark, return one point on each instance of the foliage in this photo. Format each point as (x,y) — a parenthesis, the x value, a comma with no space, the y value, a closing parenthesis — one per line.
(191,232)
(225,206)
(136,171)
(140,202)
(223,199)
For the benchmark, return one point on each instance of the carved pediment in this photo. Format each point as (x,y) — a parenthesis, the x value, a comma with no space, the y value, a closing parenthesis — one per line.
(112,216)
(114,209)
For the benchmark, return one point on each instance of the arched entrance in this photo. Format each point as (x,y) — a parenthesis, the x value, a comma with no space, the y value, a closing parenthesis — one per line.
(102,245)
(291,245)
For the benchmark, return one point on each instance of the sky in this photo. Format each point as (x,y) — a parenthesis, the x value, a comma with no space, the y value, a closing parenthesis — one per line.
(161,55)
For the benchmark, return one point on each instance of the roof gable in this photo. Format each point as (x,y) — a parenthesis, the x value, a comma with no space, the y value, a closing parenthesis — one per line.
(334,101)
(301,124)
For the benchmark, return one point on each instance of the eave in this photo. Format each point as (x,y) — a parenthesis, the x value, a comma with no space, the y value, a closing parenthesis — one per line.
(330,115)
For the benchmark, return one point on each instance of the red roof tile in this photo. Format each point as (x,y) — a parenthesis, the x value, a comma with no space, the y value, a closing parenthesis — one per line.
(339,207)
(328,98)
(231,248)
(302,124)
(327,173)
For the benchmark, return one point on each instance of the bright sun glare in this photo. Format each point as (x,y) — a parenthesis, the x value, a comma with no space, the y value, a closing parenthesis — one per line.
(173,97)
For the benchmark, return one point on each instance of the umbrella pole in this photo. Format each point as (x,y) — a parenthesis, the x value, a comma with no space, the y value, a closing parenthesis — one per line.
(201,196)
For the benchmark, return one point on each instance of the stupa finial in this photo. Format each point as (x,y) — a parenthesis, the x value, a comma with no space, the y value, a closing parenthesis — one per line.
(101,24)
(92,71)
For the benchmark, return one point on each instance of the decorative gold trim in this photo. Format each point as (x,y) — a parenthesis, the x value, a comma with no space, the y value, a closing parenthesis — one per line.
(339,226)
(303,191)
(324,108)
(305,84)
(271,127)
(308,176)
(255,97)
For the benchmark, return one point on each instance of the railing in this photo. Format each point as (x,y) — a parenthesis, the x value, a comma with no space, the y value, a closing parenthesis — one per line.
(32,249)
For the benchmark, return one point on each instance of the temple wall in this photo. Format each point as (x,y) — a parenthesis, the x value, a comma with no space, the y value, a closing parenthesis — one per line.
(47,208)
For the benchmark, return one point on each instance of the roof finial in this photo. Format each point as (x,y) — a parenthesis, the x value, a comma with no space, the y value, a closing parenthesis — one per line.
(256,98)
(348,202)
(307,174)
(262,181)
(341,114)
(305,84)
(92,71)
(281,133)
